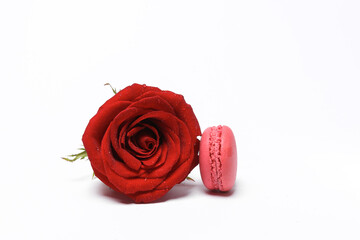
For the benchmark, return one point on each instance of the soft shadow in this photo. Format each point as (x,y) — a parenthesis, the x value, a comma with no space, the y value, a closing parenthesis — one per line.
(115,196)
(223,194)
(178,191)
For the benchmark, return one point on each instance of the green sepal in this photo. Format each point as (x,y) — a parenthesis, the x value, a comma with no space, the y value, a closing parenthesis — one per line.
(113,89)
(190,179)
(74,157)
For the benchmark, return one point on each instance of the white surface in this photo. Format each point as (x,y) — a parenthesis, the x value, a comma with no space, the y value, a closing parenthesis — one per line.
(283,74)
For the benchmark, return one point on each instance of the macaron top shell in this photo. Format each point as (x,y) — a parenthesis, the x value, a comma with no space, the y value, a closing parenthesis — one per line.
(218,158)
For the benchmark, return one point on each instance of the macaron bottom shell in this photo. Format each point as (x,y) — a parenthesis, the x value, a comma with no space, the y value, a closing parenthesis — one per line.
(218,158)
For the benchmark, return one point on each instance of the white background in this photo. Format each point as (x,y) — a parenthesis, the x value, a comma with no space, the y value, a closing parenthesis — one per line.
(284,75)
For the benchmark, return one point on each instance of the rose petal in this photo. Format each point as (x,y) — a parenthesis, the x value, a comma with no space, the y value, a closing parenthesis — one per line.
(122,182)
(110,156)
(130,161)
(140,138)
(151,161)
(134,130)
(120,120)
(118,165)
(182,110)
(153,103)
(150,168)
(166,118)
(141,127)
(167,123)
(149,196)
(177,176)
(131,185)
(104,179)
(130,93)
(94,133)
(183,135)
(169,158)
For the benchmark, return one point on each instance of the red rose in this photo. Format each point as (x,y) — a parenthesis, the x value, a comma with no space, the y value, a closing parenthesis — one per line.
(143,141)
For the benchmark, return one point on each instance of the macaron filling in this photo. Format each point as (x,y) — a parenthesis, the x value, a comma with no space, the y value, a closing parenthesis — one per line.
(215,155)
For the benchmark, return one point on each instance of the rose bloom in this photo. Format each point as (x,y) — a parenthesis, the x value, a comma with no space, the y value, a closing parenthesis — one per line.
(143,141)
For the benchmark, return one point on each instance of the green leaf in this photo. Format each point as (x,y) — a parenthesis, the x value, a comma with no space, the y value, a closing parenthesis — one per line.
(190,179)
(74,157)
(113,89)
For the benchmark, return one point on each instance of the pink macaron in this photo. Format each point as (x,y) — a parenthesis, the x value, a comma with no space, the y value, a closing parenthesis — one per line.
(218,158)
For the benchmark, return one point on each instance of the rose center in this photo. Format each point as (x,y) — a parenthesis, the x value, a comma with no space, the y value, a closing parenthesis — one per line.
(142,140)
